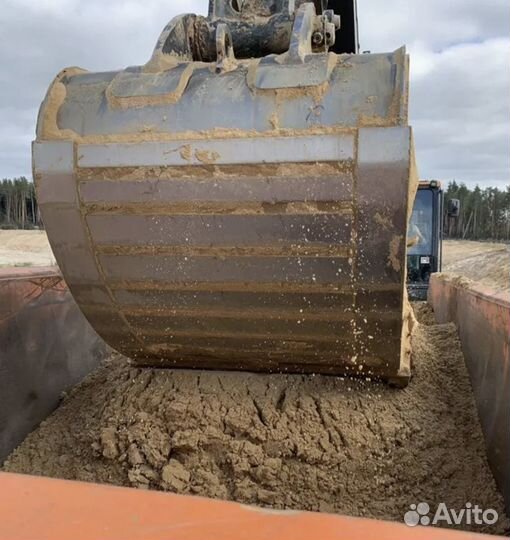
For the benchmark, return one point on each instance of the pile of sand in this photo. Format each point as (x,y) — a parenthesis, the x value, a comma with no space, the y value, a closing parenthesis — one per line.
(485,262)
(25,248)
(285,441)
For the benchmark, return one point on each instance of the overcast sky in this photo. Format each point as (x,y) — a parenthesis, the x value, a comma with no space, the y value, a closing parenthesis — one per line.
(460,73)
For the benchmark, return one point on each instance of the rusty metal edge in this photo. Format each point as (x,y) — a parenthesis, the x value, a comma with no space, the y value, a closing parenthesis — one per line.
(22,272)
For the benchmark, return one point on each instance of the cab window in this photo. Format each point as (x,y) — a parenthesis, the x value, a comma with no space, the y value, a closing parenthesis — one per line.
(420,228)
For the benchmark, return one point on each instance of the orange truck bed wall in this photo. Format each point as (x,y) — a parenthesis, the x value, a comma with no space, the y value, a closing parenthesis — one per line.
(42,509)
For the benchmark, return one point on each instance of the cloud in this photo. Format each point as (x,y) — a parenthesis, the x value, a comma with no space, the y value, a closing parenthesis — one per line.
(459,85)
(38,38)
(460,81)
(461,114)
(437,23)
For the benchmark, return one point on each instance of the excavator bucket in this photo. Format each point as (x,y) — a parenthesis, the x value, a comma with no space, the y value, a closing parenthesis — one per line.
(239,202)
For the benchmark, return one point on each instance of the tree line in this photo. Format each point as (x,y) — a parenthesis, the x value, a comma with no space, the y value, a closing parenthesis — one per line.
(484,213)
(18,204)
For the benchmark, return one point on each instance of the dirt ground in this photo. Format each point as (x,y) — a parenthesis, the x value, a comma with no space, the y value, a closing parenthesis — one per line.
(317,443)
(485,262)
(25,248)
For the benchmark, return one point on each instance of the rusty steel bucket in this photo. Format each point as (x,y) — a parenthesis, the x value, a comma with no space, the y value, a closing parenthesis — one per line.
(239,213)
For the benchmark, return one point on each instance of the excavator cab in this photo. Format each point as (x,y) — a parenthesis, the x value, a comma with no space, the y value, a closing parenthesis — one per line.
(425,237)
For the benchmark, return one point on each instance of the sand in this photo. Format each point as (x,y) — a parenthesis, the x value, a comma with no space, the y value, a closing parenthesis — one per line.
(485,262)
(25,248)
(318,443)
